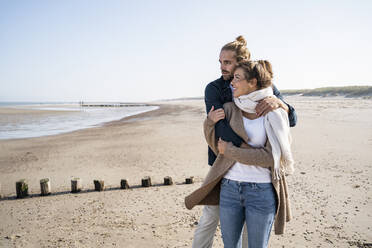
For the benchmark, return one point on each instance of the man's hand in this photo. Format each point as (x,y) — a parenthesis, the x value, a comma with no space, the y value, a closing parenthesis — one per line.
(221,145)
(268,104)
(216,115)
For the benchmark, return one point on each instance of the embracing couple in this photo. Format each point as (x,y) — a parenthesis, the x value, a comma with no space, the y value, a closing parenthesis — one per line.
(247,131)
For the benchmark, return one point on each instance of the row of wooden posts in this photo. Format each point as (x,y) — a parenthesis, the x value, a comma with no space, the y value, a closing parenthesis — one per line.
(76,185)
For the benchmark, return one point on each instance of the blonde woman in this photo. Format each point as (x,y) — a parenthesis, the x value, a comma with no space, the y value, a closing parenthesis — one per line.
(248,182)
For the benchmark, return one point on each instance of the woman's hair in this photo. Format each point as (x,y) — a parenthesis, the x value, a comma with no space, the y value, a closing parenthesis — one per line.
(260,70)
(239,46)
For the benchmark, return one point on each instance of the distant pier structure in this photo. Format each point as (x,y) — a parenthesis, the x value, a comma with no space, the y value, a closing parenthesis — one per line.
(111,104)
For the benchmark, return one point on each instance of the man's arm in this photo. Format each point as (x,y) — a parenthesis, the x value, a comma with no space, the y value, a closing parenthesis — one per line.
(271,103)
(292,116)
(222,127)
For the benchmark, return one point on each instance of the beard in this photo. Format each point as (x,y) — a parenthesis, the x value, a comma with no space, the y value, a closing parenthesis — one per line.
(226,76)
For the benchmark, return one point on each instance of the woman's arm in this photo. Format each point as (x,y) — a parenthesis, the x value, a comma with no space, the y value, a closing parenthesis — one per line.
(248,155)
(210,135)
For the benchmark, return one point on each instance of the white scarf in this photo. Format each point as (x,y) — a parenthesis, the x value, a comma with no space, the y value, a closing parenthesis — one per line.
(277,128)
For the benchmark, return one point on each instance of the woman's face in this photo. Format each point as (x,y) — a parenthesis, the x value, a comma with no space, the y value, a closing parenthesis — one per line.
(242,86)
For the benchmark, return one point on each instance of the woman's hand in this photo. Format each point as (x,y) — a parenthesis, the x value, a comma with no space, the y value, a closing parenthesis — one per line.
(216,115)
(221,145)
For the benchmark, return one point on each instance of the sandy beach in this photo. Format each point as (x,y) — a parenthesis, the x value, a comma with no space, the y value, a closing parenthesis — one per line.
(330,191)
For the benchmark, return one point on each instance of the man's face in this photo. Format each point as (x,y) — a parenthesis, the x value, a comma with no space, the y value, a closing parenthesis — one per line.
(227,64)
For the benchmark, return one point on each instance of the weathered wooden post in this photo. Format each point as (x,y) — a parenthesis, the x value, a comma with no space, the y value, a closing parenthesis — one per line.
(76,185)
(168,181)
(124,184)
(45,186)
(190,180)
(22,188)
(146,181)
(99,185)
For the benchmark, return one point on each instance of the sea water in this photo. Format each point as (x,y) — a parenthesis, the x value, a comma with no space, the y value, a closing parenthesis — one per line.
(61,118)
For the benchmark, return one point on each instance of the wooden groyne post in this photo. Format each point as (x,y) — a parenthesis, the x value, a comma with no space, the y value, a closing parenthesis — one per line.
(146,181)
(190,180)
(99,185)
(45,187)
(168,180)
(76,185)
(22,188)
(124,184)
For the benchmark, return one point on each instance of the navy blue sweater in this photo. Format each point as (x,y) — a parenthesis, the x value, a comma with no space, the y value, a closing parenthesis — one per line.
(217,93)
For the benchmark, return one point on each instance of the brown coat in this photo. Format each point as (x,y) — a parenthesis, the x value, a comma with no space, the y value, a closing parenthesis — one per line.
(208,193)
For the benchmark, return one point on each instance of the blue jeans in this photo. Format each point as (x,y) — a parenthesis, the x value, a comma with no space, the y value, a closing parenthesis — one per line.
(254,203)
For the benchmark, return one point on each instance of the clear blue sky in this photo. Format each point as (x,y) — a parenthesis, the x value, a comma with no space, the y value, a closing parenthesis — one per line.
(92,50)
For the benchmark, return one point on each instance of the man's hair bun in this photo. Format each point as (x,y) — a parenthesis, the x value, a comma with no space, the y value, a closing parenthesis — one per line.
(241,40)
